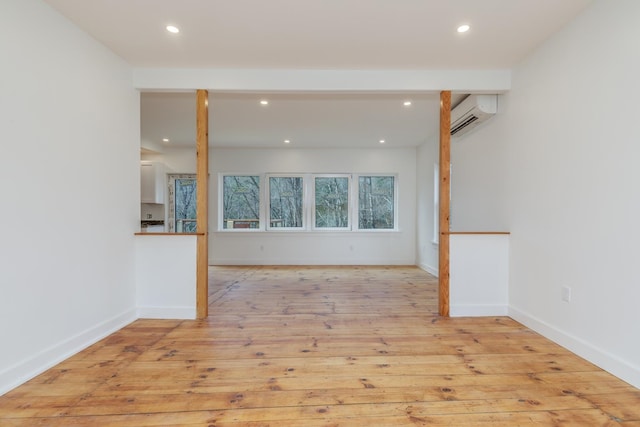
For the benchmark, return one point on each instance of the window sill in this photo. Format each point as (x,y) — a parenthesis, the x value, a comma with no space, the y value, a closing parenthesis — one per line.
(307,232)
(144,233)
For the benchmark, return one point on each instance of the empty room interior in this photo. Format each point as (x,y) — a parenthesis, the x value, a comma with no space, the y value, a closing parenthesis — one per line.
(320,213)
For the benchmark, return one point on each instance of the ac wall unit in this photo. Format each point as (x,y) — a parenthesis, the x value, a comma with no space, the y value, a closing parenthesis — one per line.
(472,111)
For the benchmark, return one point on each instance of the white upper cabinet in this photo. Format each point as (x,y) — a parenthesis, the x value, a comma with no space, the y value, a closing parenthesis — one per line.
(153,177)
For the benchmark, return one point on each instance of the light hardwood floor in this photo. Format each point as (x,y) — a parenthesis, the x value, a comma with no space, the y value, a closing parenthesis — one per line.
(326,346)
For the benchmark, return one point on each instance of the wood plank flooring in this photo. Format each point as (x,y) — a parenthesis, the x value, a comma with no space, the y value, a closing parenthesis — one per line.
(323,346)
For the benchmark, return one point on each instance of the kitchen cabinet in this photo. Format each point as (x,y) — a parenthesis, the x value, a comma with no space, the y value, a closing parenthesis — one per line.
(153,182)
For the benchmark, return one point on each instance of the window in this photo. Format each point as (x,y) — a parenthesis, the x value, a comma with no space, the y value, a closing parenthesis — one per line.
(241,201)
(376,202)
(286,202)
(182,203)
(331,202)
(308,202)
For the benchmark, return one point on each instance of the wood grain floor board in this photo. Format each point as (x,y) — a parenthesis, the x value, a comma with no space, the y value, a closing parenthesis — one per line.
(323,346)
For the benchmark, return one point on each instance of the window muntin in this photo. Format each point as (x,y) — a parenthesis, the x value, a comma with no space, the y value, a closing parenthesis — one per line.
(376,202)
(286,202)
(331,202)
(241,202)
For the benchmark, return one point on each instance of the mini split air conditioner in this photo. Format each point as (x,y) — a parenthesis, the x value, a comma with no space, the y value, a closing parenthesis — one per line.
(472,111)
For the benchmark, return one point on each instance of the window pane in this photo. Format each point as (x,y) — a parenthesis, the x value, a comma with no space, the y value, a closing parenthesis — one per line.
(241,201)
(285,202)
(332,202)
(375,202)
(185,202)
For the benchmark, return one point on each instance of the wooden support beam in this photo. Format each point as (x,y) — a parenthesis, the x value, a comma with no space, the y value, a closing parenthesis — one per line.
(202,203)
(445,199)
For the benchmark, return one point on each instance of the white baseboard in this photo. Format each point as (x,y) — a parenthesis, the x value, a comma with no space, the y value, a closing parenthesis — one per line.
(478,310)
(622,369)
(314,261)
(431,270)
(186,313)
(22,372)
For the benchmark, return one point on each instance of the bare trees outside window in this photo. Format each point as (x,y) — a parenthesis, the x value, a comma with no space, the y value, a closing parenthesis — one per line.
(241,201)
(285,201)
(182,203)
(332,202)
(376,202)
(293,202)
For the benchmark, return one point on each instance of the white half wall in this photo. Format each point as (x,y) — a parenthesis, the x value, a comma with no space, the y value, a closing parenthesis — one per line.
(166,276)
(69,165)
(308,247)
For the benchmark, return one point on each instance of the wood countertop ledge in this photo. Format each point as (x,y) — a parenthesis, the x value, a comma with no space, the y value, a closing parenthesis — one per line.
(476,232)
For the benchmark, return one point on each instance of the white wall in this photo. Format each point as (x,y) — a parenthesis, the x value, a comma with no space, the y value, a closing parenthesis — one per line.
(427,248)
(388,247)
(479,274)
(477,178)
(566,150)
(178,160)
(69,167)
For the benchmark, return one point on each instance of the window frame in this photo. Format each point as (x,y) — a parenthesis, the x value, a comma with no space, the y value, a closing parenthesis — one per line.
(308,203)
(267,198)
(261,214)
(356,205)
(171,195)
(312,202)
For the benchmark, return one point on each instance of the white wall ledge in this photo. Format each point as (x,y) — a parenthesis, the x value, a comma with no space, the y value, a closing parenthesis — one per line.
(478,81)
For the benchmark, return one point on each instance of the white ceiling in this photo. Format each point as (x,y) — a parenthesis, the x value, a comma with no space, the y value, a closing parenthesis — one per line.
(313,34)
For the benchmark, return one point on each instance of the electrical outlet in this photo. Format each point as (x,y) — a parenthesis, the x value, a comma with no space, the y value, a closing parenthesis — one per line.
(566,294)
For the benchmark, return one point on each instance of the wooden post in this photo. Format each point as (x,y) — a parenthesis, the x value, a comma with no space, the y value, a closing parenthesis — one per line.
(202,203)
(445,199)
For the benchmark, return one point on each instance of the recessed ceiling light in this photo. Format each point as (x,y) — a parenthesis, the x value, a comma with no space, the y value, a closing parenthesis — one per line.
(264,102)
(463,28)
(407,103)
(382,141)
(165,139)
(173,29)
(286,141)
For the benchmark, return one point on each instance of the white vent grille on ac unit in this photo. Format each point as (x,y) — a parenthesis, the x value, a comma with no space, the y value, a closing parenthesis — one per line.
(472,111)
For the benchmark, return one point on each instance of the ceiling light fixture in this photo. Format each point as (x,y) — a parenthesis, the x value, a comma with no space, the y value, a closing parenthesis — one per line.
(463,28)
(407,103)
(382,141)
(286,141)
(264,102)
(172,29)
(165,139)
